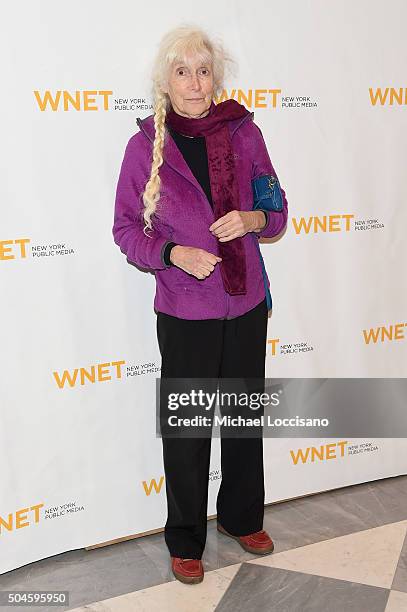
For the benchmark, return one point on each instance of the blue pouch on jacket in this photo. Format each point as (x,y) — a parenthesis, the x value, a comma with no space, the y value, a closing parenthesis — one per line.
(267,193)
(266,196)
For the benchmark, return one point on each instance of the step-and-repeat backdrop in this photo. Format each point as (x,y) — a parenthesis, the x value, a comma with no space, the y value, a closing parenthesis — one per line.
(80,461)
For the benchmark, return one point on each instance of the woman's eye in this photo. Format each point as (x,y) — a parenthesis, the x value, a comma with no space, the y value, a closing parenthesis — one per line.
(183,72)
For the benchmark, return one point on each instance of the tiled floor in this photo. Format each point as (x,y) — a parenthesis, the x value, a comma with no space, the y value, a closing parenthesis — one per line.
(335,551)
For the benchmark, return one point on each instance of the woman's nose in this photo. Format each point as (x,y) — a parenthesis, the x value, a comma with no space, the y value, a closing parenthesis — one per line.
(195,82)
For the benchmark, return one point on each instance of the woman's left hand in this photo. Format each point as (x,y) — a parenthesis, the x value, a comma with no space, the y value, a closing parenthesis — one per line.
(237,223)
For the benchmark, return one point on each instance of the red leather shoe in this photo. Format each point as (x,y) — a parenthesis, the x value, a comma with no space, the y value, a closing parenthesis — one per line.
(189,571)
(258,543)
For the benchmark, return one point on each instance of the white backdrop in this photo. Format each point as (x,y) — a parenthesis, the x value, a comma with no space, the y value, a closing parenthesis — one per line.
(80,463)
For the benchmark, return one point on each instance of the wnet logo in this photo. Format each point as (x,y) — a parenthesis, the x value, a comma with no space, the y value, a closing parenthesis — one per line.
(13,249)
(384,333)
(151,485)
(79,100)
(100,372)
(24,517)
(333,450)
(273,345)
(389,96)
(322,224)
(252,98)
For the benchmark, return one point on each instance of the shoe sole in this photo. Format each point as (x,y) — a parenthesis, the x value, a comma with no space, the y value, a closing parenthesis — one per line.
(188,579)
(250,549)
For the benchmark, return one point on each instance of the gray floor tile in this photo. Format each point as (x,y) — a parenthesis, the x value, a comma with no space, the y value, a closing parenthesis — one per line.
(334,513)
(278,590)
(89,576)
(400,576)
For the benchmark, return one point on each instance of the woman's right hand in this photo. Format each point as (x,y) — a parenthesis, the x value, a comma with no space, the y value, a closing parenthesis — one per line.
(198,262)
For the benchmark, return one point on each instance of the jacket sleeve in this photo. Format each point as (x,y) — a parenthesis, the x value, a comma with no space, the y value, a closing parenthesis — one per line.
(147,251)
(276,221)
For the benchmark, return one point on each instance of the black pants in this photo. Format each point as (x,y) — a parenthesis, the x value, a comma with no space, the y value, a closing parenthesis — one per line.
(218,348)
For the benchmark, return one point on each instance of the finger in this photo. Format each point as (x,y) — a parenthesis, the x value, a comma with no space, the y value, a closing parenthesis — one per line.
(213,259)
(231,237)
(219,222)
(226,232)
(231,231)
(207,267)
(202,274)
(223,232)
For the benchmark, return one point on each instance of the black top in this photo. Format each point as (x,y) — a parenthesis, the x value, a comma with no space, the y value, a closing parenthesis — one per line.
(195,154)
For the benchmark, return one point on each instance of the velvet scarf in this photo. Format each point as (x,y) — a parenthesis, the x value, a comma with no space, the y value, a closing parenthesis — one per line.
(223,180)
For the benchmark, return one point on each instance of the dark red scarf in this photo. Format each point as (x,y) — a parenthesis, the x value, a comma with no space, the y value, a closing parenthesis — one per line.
(223,180)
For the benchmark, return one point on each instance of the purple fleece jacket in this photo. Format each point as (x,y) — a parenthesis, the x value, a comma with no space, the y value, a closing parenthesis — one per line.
(185,216)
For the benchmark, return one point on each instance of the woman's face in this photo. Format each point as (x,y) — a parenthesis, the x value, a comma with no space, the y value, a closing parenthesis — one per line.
(190,87)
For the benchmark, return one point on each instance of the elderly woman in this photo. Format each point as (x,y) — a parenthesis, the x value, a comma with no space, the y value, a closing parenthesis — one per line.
(184,209)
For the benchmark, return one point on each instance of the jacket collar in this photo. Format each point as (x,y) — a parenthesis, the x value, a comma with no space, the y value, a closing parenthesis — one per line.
(173,156)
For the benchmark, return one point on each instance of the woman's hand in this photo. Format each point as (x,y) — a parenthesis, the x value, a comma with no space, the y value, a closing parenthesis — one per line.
(198,262)
(237,223)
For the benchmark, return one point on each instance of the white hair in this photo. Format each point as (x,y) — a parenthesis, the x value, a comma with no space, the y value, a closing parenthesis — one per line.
(176,46)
